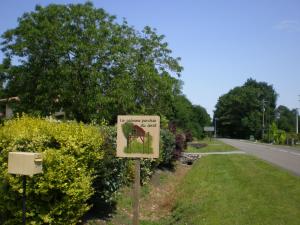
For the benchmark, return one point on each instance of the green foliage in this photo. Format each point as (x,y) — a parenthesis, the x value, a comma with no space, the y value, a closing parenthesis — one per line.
(286,118)
(164,122)
(292,138)
(277,136)
(180,143)
(80,169)
(281,137)
(110,173)
(60,195)
(2,80)
(240,111)
(167,148)
(78,58)
(190,118)
(148,167)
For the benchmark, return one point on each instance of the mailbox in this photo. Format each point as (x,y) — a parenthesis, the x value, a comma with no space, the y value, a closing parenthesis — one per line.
(25,163)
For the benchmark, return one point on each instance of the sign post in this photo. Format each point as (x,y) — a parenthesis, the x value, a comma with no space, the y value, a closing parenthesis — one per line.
(24,201)
(138,137)
(210,130)
(136,192)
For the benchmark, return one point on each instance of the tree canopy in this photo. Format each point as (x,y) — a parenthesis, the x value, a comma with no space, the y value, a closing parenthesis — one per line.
(240,112)
(189,117)
(286,118)
(79,59)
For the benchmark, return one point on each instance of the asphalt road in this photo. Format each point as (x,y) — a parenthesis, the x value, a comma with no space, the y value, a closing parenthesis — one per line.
(284,157)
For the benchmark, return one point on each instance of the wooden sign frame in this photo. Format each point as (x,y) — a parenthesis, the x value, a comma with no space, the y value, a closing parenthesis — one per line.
(138,136)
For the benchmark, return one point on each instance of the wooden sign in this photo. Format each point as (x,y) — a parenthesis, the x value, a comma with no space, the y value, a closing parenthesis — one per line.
(138,136)
(209,129)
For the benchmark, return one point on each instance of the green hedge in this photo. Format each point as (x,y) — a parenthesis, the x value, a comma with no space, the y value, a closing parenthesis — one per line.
(80,169)
(166,156)
(60,195)
(110,173)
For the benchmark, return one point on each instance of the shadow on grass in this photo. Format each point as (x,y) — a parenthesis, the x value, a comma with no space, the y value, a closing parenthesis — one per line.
(100,211)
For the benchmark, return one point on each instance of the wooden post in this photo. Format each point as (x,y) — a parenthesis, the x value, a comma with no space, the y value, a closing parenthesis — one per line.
(24,201)
(136,193)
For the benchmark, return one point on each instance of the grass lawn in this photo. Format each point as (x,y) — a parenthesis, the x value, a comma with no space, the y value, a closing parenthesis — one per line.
(216,190)
(212,146)
(237,189)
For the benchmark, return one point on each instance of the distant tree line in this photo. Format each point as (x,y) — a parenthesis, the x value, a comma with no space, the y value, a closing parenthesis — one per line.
(78,59)
(251,110)
(286,118)
(190,118)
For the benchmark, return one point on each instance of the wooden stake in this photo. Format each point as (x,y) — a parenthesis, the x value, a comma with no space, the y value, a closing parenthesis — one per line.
(136,192)
(24,201)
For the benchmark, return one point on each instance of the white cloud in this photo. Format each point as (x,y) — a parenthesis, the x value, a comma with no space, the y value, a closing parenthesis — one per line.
(288,25)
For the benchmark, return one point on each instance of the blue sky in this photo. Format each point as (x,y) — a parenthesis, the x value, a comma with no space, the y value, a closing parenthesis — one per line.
(221,43)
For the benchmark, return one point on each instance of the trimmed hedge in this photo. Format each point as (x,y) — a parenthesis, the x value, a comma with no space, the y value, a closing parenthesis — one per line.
(60,195)
(80,169)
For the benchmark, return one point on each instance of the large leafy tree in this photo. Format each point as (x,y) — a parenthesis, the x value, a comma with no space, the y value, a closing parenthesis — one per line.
(189,117)
(240,112)
(3,78)
(79,59)
(286,118)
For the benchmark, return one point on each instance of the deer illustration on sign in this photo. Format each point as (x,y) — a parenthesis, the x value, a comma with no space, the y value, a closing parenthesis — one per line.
(138,140)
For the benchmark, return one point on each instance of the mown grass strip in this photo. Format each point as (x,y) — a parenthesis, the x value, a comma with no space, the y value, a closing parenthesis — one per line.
(237,189)
(213,145)
(157,198)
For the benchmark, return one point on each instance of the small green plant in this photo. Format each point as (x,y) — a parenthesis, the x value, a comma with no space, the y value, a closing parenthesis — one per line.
(167,148)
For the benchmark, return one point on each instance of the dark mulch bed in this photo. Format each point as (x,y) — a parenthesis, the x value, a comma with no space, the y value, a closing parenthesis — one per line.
(197,145)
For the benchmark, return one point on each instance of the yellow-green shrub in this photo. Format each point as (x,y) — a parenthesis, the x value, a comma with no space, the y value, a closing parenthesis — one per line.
(80,169)
(71,152)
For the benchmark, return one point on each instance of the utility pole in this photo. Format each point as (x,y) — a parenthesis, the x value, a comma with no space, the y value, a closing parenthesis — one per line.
(263,119)
(269,124)
(216,127)
(297,115)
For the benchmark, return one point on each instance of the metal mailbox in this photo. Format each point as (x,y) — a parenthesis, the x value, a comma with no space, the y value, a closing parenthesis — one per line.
(25,163)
